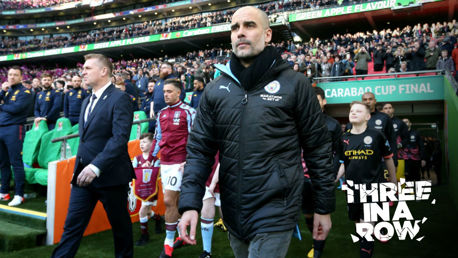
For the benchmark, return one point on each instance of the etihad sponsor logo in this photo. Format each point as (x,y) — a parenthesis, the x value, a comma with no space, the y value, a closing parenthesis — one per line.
(358,154)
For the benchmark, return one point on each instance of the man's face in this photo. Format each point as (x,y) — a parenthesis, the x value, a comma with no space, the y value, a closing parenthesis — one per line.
(150,87)
(249,35)
(171,94)
(198,85)
(369,99)
(76,82)
(388,109)
(46,82)
(93,72)
(403,66)
(358,114)
(444,53)
(14,76)
(121,86)
(145,145)
(28,85)
(407,122)
(165,71)
(35,83)
(321,101)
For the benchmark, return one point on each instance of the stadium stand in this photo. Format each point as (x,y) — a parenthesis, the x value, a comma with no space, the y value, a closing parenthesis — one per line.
(29,4)
(396,46)
(24,44)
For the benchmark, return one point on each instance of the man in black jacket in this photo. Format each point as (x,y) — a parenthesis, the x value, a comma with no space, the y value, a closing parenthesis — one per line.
(259,114)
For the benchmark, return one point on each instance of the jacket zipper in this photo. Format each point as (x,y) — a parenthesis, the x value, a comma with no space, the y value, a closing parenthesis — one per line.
(244,102)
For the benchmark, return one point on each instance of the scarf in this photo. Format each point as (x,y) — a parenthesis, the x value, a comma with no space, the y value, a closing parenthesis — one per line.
(250,76)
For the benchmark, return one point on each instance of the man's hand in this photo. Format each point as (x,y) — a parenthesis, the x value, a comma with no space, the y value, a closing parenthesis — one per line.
(321,226)
(423,163)
(181,168)
(85,177)
(38,119)
(5,86)
(189,218)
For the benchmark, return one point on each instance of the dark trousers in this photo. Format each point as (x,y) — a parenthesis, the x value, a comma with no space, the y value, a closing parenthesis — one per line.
(11,140)
(361,72)
(51,125)
(74,120)
(412,170)
(263,245)
(82,203)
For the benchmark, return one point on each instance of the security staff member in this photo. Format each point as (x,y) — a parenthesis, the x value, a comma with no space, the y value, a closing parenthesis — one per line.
(199,85)
(146,105)
(15,100)
(73,100)
(120,84)
(48,103)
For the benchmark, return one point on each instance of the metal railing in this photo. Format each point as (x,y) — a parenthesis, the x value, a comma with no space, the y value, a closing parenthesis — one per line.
(65,147)
(363,76)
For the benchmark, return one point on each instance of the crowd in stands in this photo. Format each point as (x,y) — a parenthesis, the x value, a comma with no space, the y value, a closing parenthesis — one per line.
(421,47)
(16,45)
(414,48)
(30,4)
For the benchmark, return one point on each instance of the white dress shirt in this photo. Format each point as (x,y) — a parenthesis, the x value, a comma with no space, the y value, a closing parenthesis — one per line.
(86,114)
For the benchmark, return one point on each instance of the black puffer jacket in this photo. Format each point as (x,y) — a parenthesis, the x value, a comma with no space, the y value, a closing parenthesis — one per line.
(259,134)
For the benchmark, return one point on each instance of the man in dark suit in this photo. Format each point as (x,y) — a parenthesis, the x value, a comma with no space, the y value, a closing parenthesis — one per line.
(103,168)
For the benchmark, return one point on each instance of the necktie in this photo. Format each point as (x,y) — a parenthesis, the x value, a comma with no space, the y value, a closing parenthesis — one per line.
(91,106)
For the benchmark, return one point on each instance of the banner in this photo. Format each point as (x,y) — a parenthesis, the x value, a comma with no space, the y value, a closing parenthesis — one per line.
(394,89)
(351,9)
(118,43)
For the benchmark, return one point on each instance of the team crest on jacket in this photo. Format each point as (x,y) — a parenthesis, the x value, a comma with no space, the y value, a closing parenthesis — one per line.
(273,87)
(176,117)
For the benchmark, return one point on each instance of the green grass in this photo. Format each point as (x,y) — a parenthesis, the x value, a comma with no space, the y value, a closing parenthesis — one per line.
(439,231)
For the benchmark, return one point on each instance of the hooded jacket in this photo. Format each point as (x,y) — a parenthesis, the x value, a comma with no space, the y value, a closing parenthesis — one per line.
(259,133)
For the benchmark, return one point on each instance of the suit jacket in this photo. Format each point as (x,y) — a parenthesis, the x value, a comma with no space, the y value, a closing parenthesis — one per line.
(104,137)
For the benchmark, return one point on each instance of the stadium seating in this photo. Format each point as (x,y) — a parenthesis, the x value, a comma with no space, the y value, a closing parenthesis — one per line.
(48,151)
(135,132)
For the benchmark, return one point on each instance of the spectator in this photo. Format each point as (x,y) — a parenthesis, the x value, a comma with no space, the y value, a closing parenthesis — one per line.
(445,62)
(348,64)
(325,67)
(379,58)
(455,56)
(399,57)
(141,83)
(403,67)
(416,57)
(361,59)
(432,55)
(389,59)
(338,68)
